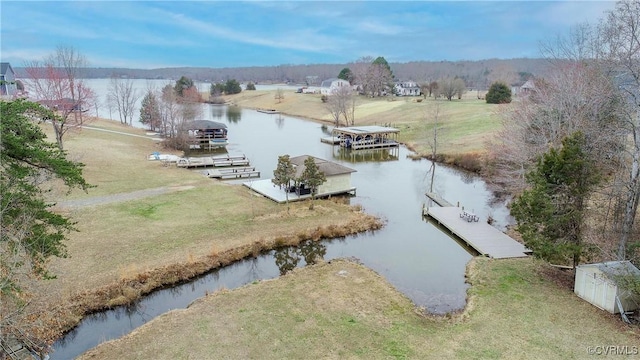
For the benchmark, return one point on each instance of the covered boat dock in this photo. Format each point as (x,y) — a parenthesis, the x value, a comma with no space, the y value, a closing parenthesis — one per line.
(366,137)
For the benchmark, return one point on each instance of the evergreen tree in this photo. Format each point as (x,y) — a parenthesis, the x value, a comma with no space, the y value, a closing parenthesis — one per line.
(499,93)
(183,84)
(150,111)
(30,232)
(346,74)
(283,175)
(550,214)
(232,86)
(312,177)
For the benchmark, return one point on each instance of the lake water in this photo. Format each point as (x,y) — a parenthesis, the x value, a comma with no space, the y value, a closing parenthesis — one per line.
(414,255)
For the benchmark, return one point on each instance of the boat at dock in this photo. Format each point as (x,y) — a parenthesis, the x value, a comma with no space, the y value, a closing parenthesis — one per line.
(269,111)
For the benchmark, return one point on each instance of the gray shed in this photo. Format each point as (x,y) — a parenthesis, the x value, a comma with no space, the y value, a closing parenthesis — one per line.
(596,284)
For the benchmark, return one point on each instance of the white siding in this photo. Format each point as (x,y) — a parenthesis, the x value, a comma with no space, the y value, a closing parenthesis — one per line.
(335,183)
(592,285)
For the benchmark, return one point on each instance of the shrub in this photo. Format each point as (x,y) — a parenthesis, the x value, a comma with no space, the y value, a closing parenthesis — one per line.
(499,93)
(251,86)
(324,98)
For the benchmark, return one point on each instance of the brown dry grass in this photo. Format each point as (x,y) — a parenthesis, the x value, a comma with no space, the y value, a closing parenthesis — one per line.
(343,310)
(128,248)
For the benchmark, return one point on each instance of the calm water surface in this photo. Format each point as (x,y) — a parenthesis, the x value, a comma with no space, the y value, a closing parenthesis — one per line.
(414,255)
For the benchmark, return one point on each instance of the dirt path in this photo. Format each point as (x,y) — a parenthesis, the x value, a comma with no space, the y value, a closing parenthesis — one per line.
(108,199)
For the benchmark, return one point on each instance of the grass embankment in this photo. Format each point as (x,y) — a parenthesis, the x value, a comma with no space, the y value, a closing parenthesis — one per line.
(465,125)
(343,310)
(129,247)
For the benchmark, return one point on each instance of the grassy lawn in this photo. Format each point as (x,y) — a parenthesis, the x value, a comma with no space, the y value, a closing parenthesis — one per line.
(342,310)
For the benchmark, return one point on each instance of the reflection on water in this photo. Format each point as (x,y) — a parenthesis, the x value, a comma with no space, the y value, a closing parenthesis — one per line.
(217,111)
(355,156)
(280,121)
(289,257)
(234,114)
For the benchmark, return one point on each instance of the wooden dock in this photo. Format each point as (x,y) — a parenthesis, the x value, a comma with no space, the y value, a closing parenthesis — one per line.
(235,172)
(438,199)
(482,237)
(215,161)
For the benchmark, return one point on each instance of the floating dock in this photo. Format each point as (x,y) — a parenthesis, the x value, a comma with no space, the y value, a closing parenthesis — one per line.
(215,161)
(233,172)
(482,237)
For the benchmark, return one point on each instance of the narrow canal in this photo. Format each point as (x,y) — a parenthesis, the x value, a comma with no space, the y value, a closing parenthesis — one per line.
(414,255)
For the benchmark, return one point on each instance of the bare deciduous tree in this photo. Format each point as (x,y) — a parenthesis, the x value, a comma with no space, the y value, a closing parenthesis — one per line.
(279,95)
(451,87)
(57,83)
(123,97)
(620,50)
(574,97)
(342,102)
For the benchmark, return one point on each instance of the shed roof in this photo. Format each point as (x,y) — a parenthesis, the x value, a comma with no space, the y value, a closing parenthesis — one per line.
(329,168)
(613,268)
(203,124)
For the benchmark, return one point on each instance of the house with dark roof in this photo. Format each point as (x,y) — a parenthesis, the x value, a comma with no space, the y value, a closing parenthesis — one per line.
(8,87)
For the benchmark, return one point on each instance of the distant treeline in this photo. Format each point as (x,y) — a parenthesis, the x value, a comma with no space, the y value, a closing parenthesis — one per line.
(476,74)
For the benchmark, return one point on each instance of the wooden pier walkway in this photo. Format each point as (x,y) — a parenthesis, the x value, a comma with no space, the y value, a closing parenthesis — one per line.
(217,161)
(438,199)
(482,237)
(235,172)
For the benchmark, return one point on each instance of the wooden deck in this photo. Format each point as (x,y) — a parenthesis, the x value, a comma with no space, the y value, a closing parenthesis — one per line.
(235,172)
(216,161)
(438,199)
(482,237)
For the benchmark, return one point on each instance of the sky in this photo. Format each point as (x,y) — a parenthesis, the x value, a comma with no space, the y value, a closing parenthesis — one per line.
(218,34)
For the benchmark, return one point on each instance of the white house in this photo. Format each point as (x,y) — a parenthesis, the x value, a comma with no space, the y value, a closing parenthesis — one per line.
(596,283)
(329,86)
(407,88)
